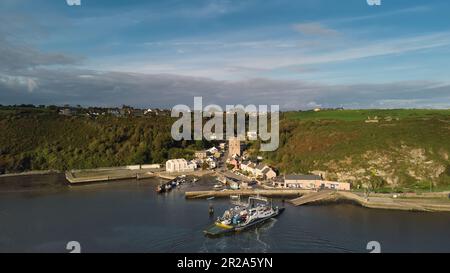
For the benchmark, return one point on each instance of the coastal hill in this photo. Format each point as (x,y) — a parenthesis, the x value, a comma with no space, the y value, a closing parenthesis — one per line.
(386,149)
(45,138)
(403,149)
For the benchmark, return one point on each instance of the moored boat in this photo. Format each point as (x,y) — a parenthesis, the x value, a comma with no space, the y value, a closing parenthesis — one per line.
(160,189)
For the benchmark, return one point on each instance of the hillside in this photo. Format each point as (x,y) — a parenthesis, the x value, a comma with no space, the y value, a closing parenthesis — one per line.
(400,149)
(40,139)
(397,149)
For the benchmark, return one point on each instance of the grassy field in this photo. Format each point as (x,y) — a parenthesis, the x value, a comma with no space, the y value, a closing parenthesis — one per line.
(360,115)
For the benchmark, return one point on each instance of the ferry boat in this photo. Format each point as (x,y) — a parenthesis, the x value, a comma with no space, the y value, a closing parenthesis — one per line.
(244,215)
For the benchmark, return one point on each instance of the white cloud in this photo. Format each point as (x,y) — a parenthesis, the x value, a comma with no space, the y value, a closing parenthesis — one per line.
(315,29)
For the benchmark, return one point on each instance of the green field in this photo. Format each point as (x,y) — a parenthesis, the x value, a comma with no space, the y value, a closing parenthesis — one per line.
(359,115)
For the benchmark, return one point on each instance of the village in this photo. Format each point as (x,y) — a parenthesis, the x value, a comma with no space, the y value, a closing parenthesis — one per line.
(234,168)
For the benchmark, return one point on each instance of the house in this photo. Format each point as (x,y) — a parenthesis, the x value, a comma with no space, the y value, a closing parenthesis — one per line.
(179,165)
(212,162)
(201,154)
(66,112)
(278,182)
(248,166)
(234,162)
(269,174)
(258,171)
(372,120)
(212,150)
(313,182)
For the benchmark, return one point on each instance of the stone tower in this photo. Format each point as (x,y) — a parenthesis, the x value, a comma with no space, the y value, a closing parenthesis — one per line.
(234,146)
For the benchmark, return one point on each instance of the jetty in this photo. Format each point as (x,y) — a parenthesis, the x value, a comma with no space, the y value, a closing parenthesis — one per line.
(375,202)
(312,197)
(301,197)
(126,172)
(246,192)
(113,173)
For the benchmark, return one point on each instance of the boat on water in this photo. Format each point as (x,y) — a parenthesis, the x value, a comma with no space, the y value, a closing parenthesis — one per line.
(172,184)
(160,189)
(244,215)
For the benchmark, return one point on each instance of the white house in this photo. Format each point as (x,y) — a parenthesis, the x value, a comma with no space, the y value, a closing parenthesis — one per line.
(212,150)
(269,173)
(179,165)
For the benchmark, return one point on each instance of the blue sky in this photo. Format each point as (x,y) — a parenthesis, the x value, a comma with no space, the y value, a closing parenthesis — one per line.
(297,53)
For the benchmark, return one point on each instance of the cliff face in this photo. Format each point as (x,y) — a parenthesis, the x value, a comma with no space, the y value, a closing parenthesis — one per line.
(404,149)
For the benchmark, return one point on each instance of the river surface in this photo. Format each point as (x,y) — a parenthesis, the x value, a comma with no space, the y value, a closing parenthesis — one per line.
(128,216)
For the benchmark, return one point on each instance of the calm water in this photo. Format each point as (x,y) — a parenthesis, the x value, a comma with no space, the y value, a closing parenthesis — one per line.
(129,216)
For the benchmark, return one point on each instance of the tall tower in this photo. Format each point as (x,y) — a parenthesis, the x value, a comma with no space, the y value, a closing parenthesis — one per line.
(234,146)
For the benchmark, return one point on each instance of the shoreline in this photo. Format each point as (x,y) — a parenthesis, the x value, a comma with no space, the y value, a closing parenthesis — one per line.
(43,172)
(55,180)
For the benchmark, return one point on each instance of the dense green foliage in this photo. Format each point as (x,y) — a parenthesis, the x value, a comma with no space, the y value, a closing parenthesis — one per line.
(40,139)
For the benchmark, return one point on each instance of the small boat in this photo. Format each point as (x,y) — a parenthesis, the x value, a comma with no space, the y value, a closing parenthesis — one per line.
(168,187)
(160,189)
(244,215)
(218,186)
(194,180)
(210,198)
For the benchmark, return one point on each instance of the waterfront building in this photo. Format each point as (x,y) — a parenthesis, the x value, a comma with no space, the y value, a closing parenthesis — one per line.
(248,166)
(179,165)
(313,182)
(269,173)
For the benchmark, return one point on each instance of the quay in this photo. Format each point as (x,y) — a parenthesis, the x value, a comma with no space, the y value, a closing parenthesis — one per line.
(112,173)
(125,172)
(304,197)
(378,201)
(246,192)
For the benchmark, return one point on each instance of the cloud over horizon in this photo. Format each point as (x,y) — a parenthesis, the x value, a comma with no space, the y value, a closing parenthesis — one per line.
(226,52)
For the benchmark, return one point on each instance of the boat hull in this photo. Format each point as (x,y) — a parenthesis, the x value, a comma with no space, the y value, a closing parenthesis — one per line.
(218,229)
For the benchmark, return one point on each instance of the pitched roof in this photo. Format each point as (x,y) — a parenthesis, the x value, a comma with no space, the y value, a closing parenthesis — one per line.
(260,166)
(303,177)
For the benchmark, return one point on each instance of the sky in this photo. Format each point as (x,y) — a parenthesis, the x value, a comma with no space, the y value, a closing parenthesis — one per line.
(299,54)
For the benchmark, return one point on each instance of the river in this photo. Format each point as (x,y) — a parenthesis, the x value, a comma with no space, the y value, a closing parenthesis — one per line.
(128,216)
